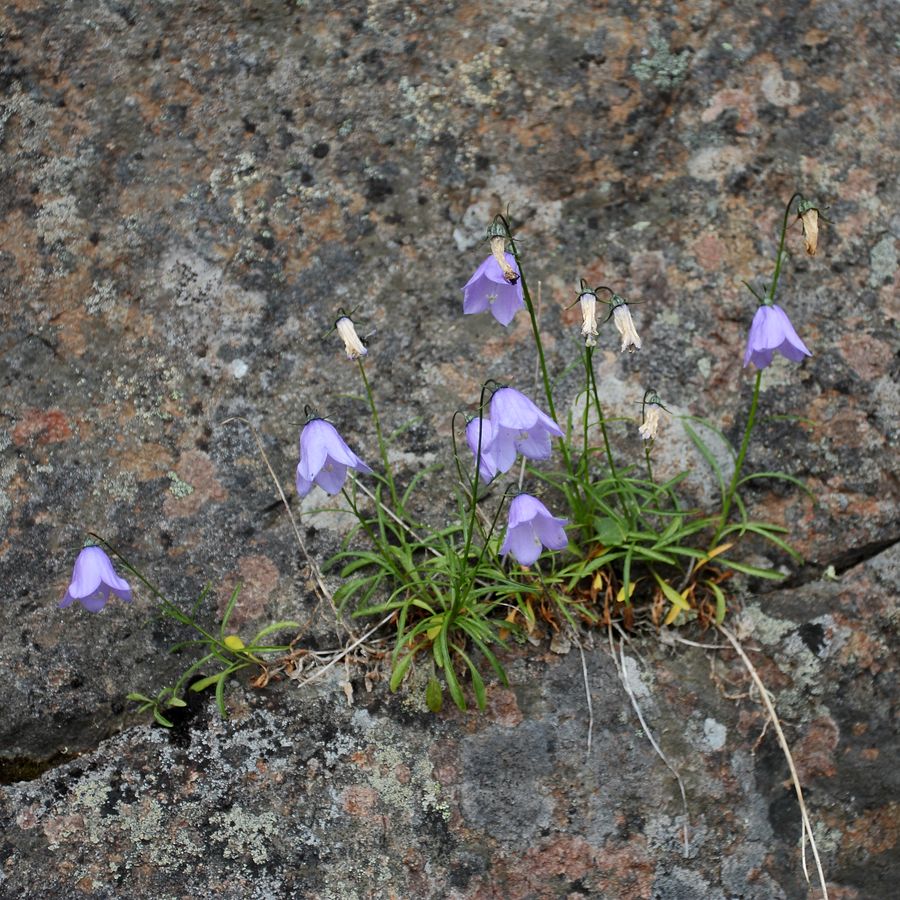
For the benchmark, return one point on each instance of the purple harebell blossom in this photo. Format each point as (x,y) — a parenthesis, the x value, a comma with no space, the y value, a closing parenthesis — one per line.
(772,331)
(530,529)
(324,459)
(93,580)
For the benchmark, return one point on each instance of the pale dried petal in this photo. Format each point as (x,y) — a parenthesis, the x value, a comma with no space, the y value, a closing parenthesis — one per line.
(352,342)
(809,220)
(625,324)
(498,250)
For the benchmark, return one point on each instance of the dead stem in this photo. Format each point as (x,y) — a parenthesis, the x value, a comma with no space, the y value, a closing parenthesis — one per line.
(346,651)
(806,827)
(314,568)
(587,694)
(620,668)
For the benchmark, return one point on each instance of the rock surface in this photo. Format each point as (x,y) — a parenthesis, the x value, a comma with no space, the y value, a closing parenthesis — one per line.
(191,192)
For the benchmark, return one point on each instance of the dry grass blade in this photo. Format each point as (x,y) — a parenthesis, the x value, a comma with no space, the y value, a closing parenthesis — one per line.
(313,566)
(346,651)
(806,829)
(620,668)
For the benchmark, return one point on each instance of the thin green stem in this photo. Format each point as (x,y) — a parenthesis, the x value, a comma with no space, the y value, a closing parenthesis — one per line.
(592,380)
(382,446)
(779,257)
(545,376)
(647,457)
(739,463)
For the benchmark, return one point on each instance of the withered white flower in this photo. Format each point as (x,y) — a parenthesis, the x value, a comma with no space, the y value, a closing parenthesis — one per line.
(352,342)
(631,341)
(589,318)
(498,251)
(650,425)
(809,221)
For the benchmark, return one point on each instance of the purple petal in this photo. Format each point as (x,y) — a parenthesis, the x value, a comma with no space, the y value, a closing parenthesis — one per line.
(512,409)
(551,532)
(314,441)
(487,469)
(331,477)
(303,484)
(536,445)
(523,544)
(502,449)
(509,301)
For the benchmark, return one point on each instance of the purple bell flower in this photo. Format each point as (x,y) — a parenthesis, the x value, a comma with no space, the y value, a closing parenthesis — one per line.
(530,529)
(489,289)
(93,580)
(517,425)
(487,470)
(771,330)
(324,459)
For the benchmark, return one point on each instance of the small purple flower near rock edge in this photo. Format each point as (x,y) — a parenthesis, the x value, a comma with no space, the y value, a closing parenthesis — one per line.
(517,425)
(93,580)
(487,470)
(530,529)
(488,289)
(324,459)
(771,331)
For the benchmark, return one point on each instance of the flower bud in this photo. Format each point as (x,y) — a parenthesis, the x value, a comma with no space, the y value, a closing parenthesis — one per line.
(352,342)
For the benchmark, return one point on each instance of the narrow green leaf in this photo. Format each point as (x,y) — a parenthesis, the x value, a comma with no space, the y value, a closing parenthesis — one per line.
(399,671)
(162,719)
(771,574)
(720,601)
(434,696)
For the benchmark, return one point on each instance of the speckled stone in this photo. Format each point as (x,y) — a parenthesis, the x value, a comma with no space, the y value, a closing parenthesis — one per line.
(189,193)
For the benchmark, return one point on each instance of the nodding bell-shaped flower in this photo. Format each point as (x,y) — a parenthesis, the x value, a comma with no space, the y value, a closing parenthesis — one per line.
(517,425)
(487,468)
(93,580)
(809,221)
(530,528)
(353,344)
(625,324)
(588,300)
(496,285)
(324,459)
(770,332)
(650,410)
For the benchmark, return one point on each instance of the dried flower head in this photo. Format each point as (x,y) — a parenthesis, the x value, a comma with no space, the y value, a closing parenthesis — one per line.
(809,221)
(530,528)
(324,459)
(517,425)
(650,410)
(588,300)
(625,324)
(93,580)
(352,341)
(770,332)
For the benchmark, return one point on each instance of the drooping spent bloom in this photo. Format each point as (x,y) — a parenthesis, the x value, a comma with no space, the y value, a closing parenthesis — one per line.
(497,235)
(588,300)
(809,221)
(650,410)
(495,287)
(517,425)
(93,580)
(625,324)
(324,459)
(530,528)
(771,331)
(487,468)
(353,344)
